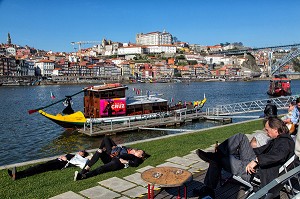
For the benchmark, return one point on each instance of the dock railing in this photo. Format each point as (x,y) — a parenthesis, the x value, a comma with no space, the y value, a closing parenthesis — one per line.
(250,106)
(125,121)
(129,122)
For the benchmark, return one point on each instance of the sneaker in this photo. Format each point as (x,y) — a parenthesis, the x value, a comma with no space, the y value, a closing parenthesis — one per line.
(84,171)
(204,192)
(207,156)
(77,176)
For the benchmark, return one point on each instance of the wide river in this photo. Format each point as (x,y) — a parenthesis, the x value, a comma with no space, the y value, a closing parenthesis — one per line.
(27,137)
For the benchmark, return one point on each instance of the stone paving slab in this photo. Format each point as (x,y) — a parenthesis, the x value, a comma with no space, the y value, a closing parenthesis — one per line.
(200,165)
(136,192)
(210,149)
(117,184)
(170,164)
(192,156)
(99,192)
(194,170)
(194,151)
(181,161)
(123,197)
(68,195)
(136,178)
(141,170)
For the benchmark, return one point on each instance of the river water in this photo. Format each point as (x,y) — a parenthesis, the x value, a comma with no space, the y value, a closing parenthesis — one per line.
(27,137)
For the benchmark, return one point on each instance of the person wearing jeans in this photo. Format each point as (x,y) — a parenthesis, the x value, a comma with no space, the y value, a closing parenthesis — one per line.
(114,158)
(235,155)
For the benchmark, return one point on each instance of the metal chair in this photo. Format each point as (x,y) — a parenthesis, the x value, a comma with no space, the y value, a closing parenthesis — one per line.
(277,184)
(291,163)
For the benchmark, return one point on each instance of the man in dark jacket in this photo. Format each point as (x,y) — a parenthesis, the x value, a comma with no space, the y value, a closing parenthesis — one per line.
(114,158)
(236,156)
(270,110)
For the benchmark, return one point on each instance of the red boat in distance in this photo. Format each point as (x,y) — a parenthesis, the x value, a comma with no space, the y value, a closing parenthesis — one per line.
(280,85)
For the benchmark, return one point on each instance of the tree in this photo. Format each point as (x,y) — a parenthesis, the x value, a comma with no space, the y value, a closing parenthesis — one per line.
(180,57)
(296,64)
(192,62)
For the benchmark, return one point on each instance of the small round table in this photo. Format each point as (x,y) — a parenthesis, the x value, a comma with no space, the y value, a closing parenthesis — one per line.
(166,177)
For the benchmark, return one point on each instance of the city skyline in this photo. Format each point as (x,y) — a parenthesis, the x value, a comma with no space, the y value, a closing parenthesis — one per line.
(53,25)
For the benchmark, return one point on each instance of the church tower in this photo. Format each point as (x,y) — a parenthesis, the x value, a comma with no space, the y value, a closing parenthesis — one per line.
(8,39)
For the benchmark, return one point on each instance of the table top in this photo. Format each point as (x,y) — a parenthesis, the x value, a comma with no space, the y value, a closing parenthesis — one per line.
(166,176)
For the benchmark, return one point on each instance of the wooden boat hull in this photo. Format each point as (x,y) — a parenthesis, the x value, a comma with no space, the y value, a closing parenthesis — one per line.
(74,120)
(278,93)
(279,86)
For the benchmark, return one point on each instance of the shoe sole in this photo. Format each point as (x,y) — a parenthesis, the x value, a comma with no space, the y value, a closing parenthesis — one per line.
(75,175)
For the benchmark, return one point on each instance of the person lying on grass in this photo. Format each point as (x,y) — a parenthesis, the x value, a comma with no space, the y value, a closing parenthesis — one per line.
(114,158)
(69,160)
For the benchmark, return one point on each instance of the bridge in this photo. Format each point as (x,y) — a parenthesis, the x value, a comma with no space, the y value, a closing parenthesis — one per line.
(275,68)
(249,50)
(283,61)
(249,107)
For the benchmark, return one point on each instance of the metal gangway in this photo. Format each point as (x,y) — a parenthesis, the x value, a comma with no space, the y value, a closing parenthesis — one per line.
(249,107)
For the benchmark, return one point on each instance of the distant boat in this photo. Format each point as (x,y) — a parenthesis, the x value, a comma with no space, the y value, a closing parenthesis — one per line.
(215,80)
(280,85)
(177,81)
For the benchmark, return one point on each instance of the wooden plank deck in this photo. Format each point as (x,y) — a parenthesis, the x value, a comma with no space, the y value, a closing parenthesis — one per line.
(107,129)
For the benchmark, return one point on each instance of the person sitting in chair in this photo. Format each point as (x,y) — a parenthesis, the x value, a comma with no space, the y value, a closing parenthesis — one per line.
(235,155)
(289,117)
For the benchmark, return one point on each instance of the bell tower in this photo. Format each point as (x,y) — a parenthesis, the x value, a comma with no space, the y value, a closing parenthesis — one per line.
(8,39)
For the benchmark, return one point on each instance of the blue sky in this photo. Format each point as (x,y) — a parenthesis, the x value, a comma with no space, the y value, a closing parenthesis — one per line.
(53,24)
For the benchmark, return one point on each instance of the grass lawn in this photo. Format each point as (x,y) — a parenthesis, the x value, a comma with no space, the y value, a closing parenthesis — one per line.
(52,183)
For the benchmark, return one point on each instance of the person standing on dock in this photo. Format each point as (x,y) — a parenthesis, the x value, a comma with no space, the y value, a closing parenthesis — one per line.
(68,103)
(270,110)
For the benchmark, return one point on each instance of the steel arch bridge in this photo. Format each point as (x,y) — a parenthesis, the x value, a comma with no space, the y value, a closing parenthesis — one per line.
(283,61)
(275,68)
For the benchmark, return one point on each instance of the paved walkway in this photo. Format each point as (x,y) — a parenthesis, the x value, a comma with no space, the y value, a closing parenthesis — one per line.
(133,186)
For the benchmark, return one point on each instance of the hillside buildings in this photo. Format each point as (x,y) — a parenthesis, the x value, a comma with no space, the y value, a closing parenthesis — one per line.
(154,56)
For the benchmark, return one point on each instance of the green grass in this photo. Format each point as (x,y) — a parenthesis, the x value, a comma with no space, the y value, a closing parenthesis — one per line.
(52,183)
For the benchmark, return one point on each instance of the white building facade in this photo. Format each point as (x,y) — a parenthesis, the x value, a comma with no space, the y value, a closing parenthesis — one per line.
(130,50)
(154,38)
(45,67)
(170,49)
